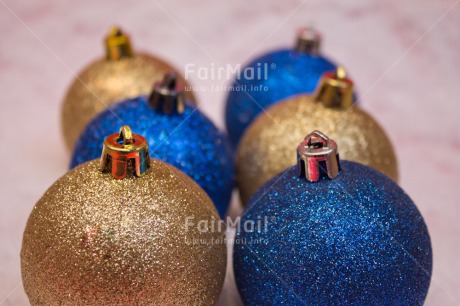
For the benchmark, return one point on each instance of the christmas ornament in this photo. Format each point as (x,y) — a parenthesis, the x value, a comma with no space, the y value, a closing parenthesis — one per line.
(118,232)
(274,77)
(337,234)
(120,75)
(265,149)
(177,133)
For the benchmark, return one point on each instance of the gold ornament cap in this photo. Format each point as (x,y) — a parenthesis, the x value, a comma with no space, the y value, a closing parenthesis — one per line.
(308,41)
(317,156)
(117,45)
(125,152)
(335,89)
(167,95)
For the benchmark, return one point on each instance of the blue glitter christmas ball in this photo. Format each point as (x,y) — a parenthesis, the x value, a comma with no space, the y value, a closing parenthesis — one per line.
(357,239)
(188,141)
(277,76)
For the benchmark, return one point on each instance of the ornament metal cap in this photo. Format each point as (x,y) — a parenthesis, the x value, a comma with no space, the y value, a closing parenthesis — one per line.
(167,96)
(317,155)
(308,41)
(117,45)
(335,89)
(125,152)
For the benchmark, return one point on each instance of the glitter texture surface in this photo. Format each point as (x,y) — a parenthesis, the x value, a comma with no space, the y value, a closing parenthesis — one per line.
(267,146)
(355,240)
(189,141)
(105,82)
(293,73)
(95,240)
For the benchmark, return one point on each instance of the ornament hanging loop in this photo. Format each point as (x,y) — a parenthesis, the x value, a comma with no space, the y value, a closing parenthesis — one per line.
(167,96)
(117,45)
(335,89)
(317,156)
(125,152)
(308,41)
(126,136)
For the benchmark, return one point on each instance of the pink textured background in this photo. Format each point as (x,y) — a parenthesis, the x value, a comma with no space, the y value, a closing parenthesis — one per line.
(403,55)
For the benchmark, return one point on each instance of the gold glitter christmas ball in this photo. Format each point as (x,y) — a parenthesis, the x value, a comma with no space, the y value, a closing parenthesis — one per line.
(266,148)
(143,234)
(120,75)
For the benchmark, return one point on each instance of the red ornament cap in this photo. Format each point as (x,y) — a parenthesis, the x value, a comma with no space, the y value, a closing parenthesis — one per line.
(125,152)
(317,156)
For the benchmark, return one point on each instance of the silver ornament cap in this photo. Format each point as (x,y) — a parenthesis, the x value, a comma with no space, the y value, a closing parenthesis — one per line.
(308,41)
(167,96)
(317,156)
